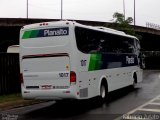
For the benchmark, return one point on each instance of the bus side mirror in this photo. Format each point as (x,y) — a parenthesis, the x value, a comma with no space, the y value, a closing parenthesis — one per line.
(142,60)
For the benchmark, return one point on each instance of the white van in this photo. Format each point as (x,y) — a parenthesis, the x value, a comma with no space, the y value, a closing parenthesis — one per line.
(13,49)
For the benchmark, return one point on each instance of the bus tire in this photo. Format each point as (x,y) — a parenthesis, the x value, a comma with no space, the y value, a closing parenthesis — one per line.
(134,80)
(103,91)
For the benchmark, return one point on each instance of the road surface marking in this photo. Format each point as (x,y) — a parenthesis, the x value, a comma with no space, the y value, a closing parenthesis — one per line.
(140,108)
(154,103)
(158,98)
(150,110)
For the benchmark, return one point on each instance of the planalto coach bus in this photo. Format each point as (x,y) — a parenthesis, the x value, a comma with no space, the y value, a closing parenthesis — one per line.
(67,60)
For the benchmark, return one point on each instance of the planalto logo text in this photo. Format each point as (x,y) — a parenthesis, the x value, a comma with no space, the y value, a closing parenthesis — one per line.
(56,32)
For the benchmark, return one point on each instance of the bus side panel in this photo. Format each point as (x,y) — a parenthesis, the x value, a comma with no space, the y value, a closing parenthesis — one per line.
(139,75)
(91,72)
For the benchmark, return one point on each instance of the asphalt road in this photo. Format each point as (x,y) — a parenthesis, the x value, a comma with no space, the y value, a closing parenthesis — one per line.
(120,102)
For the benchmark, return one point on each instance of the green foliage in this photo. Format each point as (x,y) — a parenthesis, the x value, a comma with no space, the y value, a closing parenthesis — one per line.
(121,19)
(11,97)
(123,24)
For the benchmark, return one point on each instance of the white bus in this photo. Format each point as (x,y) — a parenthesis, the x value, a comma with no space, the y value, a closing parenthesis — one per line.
(68,60)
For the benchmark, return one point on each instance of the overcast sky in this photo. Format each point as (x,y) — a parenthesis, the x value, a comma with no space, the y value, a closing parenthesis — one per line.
(94,10)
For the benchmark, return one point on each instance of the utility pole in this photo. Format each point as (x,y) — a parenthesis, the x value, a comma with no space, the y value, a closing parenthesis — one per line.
(124,9)
(27,9)
(134,13)
(61,9)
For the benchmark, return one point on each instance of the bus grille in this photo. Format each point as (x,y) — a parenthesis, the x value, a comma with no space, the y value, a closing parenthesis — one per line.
(84,92)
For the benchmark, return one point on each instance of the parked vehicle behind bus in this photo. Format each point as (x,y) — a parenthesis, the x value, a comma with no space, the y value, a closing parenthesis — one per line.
(68,60)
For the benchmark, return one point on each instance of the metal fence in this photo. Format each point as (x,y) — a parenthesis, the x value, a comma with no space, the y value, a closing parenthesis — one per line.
(9,73)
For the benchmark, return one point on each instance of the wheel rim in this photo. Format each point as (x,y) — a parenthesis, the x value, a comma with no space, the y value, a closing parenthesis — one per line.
(103,91)
(134,81)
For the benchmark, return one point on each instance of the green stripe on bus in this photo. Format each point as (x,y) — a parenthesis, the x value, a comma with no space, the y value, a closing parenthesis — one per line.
(34,33)
(95,62)
(26,34)
(30,34)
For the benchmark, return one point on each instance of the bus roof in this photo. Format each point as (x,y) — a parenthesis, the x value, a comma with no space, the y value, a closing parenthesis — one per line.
(108,30)
(73,23)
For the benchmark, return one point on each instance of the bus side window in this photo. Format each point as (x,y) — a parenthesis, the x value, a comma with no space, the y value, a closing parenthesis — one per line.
(93,43)
(137,47)
(128,45)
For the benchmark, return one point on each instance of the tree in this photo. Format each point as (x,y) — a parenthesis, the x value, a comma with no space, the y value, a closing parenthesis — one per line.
(121,20)
(123,24)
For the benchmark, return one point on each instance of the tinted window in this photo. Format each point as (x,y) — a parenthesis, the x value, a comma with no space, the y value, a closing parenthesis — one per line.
(91,41)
